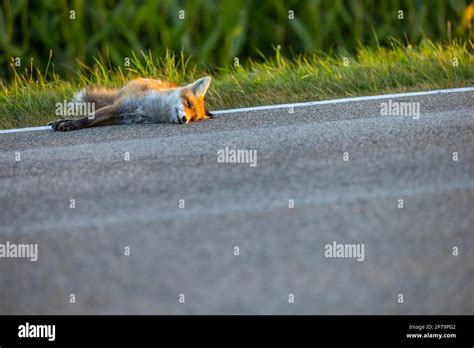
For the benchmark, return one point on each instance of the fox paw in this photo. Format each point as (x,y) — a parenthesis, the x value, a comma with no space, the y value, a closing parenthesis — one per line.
(63,125)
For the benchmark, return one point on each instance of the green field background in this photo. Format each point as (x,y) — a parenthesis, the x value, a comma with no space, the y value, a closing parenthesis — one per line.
(213,32)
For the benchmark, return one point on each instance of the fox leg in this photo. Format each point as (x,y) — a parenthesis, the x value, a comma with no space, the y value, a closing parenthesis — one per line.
(104,116)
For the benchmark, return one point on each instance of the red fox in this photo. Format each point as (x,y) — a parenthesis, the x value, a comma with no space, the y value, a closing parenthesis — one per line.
(141,101)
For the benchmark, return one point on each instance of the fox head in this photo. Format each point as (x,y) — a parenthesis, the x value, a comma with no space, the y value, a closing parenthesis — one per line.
(190,106)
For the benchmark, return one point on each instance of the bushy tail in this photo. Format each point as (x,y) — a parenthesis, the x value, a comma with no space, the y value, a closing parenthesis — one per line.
(101,97)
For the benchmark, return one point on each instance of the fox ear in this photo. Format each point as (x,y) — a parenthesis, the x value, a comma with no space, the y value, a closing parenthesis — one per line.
(200,87)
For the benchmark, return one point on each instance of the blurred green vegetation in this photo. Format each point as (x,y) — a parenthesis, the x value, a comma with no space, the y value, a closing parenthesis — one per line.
(214,32)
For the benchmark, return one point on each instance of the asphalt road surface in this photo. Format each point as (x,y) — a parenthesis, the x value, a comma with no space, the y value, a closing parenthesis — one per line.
(85,205)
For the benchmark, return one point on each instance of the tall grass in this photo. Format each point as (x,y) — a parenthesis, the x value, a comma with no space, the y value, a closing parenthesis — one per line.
(30,97)
(214,32)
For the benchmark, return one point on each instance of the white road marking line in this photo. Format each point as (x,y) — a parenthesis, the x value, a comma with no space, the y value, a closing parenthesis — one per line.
(296,105)
(19,130)
(346,100)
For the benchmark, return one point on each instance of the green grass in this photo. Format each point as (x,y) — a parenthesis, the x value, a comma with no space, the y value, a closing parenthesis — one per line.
(29,99)
(216,31)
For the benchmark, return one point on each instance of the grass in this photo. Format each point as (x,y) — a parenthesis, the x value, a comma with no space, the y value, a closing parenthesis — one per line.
(216,31)
(30,98)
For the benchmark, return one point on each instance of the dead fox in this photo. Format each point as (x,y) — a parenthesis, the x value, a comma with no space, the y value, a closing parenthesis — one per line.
(141,101)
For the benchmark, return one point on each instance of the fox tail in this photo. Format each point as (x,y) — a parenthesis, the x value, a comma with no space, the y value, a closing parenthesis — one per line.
(101,97)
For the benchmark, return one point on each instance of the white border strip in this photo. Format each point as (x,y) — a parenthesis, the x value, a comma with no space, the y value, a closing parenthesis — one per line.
(19,130)
(347,100)
(296,105)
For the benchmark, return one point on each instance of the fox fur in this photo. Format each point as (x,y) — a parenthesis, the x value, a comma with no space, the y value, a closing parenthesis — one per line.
(141,101)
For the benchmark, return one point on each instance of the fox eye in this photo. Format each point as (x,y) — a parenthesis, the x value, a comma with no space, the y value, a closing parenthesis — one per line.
(188,104)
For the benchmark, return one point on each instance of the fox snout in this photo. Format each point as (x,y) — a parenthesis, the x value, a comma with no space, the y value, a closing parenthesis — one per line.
(181,117)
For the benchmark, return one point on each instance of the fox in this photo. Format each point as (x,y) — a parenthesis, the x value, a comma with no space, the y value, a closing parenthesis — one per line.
(142,100)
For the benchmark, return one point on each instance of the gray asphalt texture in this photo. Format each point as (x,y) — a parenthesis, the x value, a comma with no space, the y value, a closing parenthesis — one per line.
(190,251)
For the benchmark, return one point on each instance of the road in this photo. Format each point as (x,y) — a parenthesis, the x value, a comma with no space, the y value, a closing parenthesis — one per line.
(78,197)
